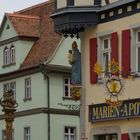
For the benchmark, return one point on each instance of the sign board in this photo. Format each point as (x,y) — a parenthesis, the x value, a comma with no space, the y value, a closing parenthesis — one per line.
(102,112)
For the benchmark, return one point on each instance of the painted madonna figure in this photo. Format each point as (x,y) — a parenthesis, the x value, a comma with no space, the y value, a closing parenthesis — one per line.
(74,58)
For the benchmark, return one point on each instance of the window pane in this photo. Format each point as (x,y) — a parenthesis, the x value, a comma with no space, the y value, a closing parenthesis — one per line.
(66,137)
(72,138)
(138,137)
(66,130)
(106,61)
(72,130)
(27,88)
(3,135)
(70,2)
(66,81)
(139,59)
(67,87)
(138,36)
(106,44)
(12,54)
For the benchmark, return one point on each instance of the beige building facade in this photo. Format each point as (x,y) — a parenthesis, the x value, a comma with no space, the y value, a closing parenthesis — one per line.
(109,32)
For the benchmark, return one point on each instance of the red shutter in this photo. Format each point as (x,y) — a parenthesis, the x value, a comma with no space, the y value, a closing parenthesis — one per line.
(125,136)
(93,60)
(125,53)
(114,46)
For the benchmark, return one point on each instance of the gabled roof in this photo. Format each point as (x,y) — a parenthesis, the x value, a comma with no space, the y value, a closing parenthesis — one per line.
(35,21)
(25,25)
(45,46)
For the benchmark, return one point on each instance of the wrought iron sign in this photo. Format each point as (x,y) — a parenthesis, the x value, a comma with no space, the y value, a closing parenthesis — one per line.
(102,112)
(70,106)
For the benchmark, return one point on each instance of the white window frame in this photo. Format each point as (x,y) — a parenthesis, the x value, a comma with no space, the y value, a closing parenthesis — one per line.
(69,134)
(10,86)
(3,134)
(6,56)
(12,54)
(27,133)
(13,88)
(106,51)
(28,88)
(69,87)
(137,47)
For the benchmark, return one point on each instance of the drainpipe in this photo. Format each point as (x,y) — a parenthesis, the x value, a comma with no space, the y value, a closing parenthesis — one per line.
(44,72)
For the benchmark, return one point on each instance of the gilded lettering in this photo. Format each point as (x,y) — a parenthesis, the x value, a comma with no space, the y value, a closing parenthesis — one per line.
(125,110)
(117,113)
(100,112)
(96,113)
(136,108)
(131,108)
(105,111)
(111,111)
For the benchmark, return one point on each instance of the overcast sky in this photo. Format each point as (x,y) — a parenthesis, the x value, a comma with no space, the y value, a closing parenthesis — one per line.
(8,6)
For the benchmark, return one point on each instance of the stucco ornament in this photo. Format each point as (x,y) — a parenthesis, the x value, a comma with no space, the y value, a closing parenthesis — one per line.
(113,82)
(114,87)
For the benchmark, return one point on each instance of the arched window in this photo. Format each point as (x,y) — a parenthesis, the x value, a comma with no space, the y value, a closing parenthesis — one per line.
(12,54)
(6,56)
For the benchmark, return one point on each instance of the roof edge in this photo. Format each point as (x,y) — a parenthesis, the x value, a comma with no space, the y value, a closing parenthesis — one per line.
(35,6)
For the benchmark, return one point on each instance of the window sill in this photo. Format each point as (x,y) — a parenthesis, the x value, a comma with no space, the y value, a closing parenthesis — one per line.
(27,99)
(8,65)
(68,98)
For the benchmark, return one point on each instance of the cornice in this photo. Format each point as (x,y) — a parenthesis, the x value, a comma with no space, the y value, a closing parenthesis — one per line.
(16,38)
(44,110)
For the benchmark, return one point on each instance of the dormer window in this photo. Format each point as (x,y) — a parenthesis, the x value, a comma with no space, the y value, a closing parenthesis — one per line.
(6,56)
(9,56)
(12,54)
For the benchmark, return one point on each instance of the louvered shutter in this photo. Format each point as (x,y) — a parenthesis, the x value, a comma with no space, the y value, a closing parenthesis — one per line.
(126,53)
(93,60)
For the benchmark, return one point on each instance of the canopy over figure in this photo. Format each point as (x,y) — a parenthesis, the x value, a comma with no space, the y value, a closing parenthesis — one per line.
(74,58)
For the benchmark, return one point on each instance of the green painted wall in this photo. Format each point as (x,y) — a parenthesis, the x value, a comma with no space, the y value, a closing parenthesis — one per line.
(38,124)
(7,33)
(22,48)
(38,92)
(57,91)
(61,55)
(58,122)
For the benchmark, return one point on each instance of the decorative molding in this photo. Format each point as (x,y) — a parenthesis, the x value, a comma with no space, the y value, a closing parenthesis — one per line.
(105,33)
(44,110)
(16,38)
(19,73)
(32,70)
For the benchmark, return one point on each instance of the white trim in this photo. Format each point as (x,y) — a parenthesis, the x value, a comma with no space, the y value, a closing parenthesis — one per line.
(68,85)
(104,33)
(133,132)
(133,53)
(75,131)
(106,51)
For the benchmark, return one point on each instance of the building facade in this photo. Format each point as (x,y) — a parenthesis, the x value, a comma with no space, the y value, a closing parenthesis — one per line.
(111,32)
(34,64)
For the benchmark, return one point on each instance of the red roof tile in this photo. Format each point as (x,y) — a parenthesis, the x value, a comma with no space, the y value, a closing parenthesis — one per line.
(48,41)
(27,26)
